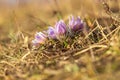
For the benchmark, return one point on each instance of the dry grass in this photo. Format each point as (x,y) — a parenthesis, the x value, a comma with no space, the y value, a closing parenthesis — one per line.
(92,55)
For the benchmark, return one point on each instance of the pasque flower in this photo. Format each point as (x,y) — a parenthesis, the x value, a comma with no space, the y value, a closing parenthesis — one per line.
(60,28)
(60,31)
(51,33)
(75,24)
(40,38)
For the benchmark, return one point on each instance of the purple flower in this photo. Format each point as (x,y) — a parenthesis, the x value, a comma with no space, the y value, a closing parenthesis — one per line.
(51,33)
(75,24)
(35,42)
(40,38)
(60,28)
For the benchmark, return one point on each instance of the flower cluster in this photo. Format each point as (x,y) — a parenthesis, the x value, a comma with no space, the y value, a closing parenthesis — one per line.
(59,31)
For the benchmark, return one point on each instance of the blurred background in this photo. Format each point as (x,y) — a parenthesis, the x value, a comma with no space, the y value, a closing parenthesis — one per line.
(30,16)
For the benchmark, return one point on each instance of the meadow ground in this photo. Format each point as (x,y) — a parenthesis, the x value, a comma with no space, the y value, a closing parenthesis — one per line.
(91,55)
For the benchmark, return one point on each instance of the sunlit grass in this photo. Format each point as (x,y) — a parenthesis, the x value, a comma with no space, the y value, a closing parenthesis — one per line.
(94,55)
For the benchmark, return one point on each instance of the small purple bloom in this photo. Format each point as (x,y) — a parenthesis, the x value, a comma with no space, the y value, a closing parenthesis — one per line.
(35,42)
(75,24)
(51,33)
(60,28)
(40,38)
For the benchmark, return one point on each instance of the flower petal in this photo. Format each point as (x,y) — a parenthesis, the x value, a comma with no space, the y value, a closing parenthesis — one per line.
(51,33)
(60,28)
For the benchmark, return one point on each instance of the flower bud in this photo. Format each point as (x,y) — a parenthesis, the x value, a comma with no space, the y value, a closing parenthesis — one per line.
(40,38)
(75,24)
(60,28)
